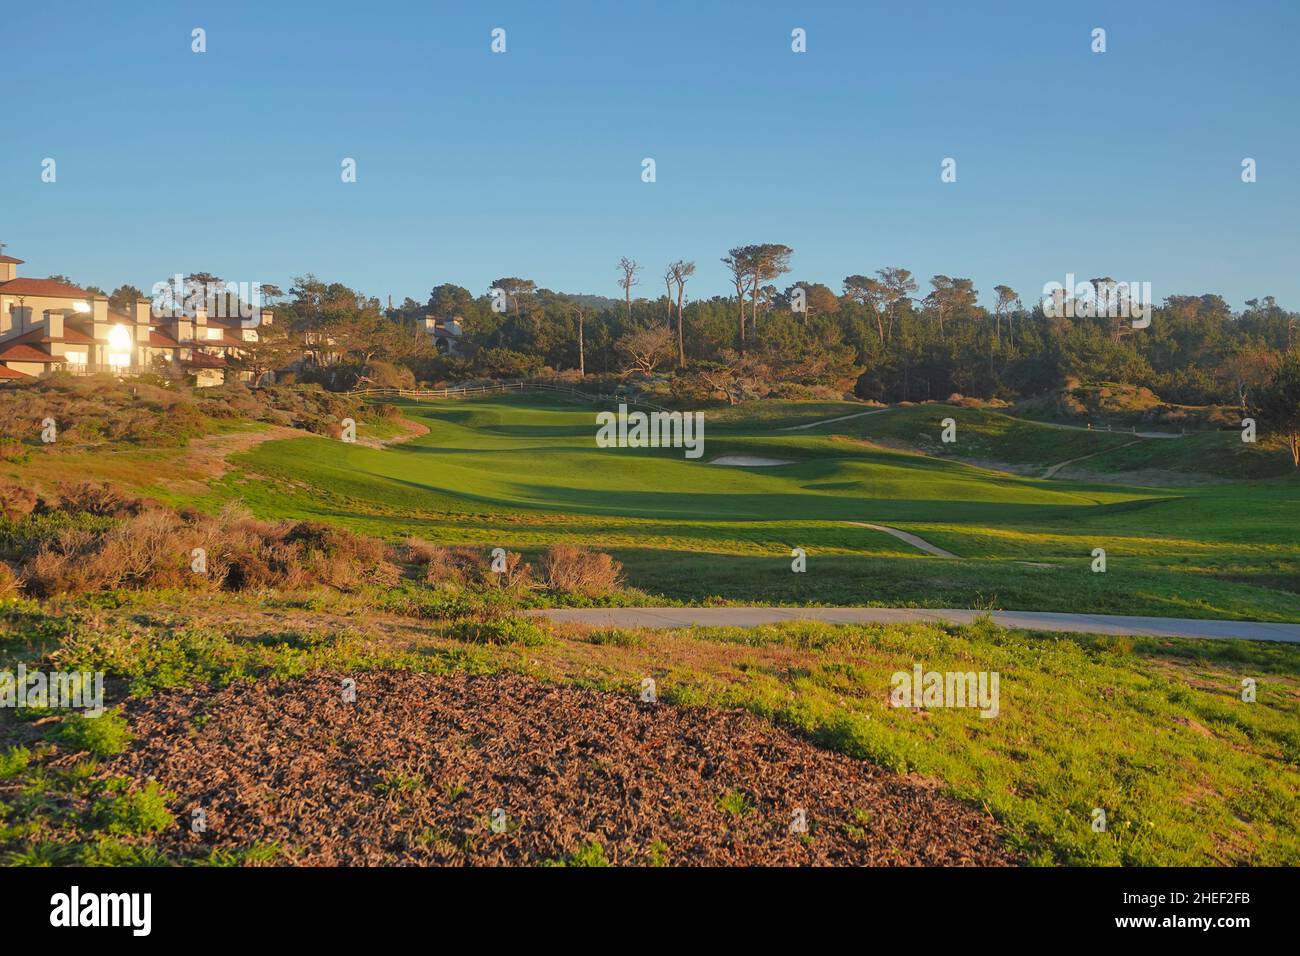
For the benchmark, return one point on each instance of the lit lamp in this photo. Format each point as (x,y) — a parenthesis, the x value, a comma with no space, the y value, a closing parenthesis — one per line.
(119,346)
(81,307)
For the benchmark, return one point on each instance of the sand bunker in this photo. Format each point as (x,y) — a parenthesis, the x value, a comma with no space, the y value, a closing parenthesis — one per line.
(749,461)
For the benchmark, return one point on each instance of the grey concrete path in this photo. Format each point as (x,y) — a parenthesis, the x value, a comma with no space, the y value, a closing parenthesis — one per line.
(663,617)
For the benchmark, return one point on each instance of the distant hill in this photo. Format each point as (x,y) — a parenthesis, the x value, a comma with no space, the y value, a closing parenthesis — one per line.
(596,302)
(1109,403)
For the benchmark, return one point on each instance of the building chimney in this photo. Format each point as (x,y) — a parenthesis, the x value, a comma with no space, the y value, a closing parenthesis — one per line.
(9,268)
(54,324)
(142,312)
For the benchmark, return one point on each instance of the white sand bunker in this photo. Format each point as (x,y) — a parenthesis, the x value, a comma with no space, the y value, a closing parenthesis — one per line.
(749,461)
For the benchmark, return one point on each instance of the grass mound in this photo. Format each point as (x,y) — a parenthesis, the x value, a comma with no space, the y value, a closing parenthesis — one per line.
(1102,403)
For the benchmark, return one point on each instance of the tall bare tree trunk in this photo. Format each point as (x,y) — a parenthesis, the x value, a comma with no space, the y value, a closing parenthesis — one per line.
(740,300)
(681,334)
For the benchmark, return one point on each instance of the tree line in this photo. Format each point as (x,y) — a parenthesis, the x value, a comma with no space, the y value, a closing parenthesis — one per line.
(883,335)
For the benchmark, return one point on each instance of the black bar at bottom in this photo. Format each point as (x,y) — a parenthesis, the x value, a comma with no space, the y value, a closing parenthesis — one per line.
(333,906)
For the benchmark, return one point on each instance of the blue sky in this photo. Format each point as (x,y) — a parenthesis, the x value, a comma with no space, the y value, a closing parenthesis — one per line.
(473,165)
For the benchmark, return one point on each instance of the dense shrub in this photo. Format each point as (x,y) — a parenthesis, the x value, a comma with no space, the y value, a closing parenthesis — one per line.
(463,565)
(101,736)
(10,584)
(160,548)
(16,501)
(388,375)
(449,565)
(148,412)
(98,498)
(579,571)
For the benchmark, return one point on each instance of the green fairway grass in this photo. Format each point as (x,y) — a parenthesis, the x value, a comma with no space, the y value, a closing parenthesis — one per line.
(1032,447)
(523,472)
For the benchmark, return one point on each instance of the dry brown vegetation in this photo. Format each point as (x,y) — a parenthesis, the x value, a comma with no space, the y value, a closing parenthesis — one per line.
(92,537)
(152,412)
(16,501)
(1126,403)
(460,565)
(97,539)
(563,568)
(579,571)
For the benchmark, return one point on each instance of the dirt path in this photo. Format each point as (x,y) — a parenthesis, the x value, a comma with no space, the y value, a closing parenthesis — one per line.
(208,457)
(913,540)
(1053,469)
(831,421)
(660,617)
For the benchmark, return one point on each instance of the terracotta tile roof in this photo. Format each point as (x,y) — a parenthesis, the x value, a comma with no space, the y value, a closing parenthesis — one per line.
(12,260)
(161,340)
(26,353)
(71,336)
(236,324)
(226,341)
(203,360)
(46,287)
(8,373)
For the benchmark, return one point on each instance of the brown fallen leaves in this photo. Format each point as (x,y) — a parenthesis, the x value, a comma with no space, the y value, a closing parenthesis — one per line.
(412,772)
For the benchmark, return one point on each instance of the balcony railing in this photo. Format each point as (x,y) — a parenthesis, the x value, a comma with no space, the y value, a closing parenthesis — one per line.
(87,368)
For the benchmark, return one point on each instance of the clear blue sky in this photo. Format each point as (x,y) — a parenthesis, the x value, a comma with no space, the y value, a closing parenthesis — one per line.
(473,165)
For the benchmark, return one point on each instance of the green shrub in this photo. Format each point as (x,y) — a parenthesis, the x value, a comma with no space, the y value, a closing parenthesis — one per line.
(505,630)
(590,854)
(110,851)
(102,736)
(616,637)
(14,761)
(137,812)
(735,803)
